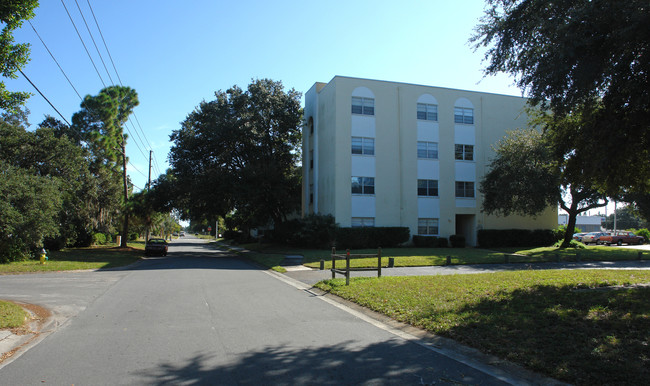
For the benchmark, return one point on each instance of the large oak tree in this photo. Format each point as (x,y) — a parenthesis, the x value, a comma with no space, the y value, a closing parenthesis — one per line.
(239,152)
(585,57)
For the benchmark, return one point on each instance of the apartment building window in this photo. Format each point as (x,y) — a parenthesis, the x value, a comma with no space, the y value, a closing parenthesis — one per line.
(428,188)
(359,222)
(363,106)
(464,189)
(428,226)
(363,146)
(463,115)
(427,112)
(363,185)
(464,152)
(428,150)
(311,193)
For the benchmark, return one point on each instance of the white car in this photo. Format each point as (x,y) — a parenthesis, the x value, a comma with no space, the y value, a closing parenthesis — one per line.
(592,237)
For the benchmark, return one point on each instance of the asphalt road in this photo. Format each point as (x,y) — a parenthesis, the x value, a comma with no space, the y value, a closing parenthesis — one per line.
(201,316)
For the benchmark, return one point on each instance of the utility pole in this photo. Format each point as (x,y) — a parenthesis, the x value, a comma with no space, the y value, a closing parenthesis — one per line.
(146,236)
(149,180)
(125,228)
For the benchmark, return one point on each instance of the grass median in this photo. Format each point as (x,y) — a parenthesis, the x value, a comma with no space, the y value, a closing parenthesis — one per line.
(579,326)
(79,259)
(418,257)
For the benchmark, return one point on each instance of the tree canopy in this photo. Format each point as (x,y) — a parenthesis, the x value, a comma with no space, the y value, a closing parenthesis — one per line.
(239,152)
(590,57)
(100,122)
(529,174)
(13,56)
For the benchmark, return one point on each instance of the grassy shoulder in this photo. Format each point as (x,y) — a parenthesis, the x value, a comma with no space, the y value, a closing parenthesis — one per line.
(71,259)
(417,257)
(580,326)
(11,315)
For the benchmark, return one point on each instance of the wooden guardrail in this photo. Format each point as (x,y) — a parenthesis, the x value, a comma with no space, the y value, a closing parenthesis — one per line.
(346,271)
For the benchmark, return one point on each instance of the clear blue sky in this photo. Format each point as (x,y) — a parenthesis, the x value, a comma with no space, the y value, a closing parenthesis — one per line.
(177,53)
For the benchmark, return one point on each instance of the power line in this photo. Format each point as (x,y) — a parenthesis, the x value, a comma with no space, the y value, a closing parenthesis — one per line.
(105,46)
(84,44)
(116,72)
(94,43)
(55,61)
(44,97)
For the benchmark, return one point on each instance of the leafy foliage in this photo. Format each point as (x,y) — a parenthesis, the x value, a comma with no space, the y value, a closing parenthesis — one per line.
(586,57)
(314,231)
(533,171)
(100,123)
(522,177)
(13,56)
(239,152)
(371,237)
(495,238)
(28,211)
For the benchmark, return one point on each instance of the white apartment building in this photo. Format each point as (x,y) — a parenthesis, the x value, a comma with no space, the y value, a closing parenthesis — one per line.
(379,153)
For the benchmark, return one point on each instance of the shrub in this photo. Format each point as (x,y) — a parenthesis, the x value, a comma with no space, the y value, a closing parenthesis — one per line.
(425,241)
(231,235)
(371,237)
(645,233)
(442,242)
(99,239)
(13,250)
(54,244)
(572,244)
(315,230)
(494,238)
(133,236)
(457,241)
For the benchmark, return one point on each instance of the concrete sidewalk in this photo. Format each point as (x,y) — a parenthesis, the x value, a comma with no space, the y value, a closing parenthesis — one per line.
(313,276)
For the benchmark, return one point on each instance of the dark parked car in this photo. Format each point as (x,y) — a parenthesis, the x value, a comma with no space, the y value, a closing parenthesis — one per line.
(155,247)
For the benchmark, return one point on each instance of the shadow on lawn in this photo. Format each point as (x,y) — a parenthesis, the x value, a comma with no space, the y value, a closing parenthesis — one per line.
(584,336)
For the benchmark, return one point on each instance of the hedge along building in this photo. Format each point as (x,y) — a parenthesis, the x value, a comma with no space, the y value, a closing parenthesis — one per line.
(379,153)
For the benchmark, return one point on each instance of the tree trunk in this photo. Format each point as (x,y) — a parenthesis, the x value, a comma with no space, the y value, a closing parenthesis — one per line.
(125,225)
(570,227)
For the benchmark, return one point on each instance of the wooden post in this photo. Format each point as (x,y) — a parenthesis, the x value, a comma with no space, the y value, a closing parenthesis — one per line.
(333,262)
(322,264)
(347,267)
(640,255)
(448,262)
(379,262)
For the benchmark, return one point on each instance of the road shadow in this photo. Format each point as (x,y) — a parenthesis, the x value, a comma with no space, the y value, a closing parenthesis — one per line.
(392,362)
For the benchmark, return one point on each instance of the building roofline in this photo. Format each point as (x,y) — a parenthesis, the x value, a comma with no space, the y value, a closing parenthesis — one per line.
(418,85)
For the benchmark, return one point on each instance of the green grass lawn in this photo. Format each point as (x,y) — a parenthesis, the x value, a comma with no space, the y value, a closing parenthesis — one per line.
(414,257)
(79,258)
(576,326)
(11,315)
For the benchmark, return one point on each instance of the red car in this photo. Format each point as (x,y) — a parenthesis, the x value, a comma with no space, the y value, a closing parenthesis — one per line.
(620,238)
(155,247)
